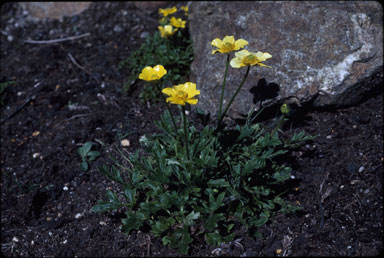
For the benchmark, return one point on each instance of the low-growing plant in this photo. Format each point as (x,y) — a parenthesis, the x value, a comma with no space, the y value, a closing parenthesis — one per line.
(170,46)
(87,155)
(188,183)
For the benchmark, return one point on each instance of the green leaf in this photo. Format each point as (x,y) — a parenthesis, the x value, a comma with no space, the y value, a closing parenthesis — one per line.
(212,220)
(188,220)
(219,200)
(84,165)
(130,194)
(133,221)
(213,238)
(103,206)
(218,182)
(83,150)
(113,173)
(92,155)
(112,197)
(159,227)
(259,221)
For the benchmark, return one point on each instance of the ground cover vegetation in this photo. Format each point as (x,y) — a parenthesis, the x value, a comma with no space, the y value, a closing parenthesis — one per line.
(190,182)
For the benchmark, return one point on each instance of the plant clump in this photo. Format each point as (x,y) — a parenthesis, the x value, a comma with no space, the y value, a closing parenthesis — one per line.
(187,183)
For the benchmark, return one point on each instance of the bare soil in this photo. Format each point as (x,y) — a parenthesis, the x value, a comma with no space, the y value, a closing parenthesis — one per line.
(65,94)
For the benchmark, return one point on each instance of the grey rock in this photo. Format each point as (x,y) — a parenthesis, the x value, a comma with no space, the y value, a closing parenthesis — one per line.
(54,10)
(327,52)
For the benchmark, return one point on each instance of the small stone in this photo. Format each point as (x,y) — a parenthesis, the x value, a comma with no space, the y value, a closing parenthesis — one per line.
(15,239)
(78,215)
(103,223)
(329,137)
(36,155)
(118,28)
(65,188)
(361,169)
(125,143)
(144,34)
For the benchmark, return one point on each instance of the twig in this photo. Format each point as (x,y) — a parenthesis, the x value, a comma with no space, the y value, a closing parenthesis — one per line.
(77,64)
(29,99)
(56,40)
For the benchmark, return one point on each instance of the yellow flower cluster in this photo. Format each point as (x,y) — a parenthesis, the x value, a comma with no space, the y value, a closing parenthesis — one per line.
(169,26)
(242,58)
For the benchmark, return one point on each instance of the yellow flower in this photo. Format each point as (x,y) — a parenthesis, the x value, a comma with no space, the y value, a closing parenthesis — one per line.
(182,93)
(166,31)
(152,74)
(284,109)
(185,9)
(178,23)
(245,58)
(228,44)
(167,11)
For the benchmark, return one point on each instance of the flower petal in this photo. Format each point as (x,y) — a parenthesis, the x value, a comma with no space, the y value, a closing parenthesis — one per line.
(217,43)
(242,53)
(240,43)
(160,70)
(168,91)
(192,101)
(229,39)
(262,56)
(236,62)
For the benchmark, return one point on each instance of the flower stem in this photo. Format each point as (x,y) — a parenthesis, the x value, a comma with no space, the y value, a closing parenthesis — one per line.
(185,132)
(233,98)
(223,88)
(278,125)
(166,104)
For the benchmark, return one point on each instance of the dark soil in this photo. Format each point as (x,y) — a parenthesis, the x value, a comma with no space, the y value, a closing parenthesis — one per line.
(68,93)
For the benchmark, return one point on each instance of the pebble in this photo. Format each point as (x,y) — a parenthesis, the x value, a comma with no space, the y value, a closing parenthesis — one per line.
(361,169)
(125,142)
(15,239)
(144,34)
(78,216)
(65,188)
(118,28)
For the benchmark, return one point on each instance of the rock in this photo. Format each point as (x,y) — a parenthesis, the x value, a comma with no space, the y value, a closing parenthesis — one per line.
(54,10)
(151,5)
(328,53)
